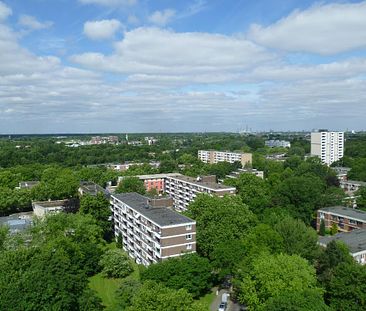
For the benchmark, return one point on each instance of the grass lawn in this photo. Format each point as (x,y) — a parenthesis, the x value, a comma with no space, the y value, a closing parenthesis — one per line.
(207,300)
(106,289)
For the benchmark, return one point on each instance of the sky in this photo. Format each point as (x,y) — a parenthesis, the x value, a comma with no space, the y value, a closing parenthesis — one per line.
(122,66)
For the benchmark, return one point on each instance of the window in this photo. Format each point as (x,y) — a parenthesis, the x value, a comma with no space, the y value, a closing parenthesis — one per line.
(189,227)
(189,246)
(188,236)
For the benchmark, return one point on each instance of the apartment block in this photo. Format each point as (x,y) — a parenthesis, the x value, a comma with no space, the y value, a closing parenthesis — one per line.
(277,143)
(251,171)
(151,232)
(212,157)
(355,241)
(183,189)
(347,219)
(351,186)
(328,146)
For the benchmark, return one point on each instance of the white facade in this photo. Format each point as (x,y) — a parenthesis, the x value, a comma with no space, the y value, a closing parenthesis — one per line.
(212,157)
(328,146)
(183,190)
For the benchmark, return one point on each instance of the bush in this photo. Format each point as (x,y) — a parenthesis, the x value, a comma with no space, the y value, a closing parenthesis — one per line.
(115,263)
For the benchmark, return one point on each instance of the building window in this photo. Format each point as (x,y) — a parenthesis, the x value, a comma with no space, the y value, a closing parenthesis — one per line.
(189,227)
(189,246)
(188,236)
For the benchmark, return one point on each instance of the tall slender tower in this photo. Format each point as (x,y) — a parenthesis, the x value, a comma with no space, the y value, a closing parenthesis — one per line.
(328,146)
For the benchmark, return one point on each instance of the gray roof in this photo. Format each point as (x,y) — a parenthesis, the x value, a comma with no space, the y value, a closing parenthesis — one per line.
(210,185)
(159,215)
(346,212)
(17,222)
(92,188)
(355,240)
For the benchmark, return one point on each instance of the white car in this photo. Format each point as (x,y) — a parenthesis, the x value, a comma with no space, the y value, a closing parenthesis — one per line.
(222,306)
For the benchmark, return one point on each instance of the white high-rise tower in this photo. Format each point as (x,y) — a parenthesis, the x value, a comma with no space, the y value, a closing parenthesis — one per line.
(328,146)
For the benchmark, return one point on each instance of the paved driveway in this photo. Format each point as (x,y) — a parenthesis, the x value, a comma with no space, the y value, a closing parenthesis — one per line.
(231,306)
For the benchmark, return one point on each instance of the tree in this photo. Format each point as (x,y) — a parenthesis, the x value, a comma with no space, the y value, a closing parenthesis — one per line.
(334,229)
(219,220)
(98,206)
(89,301)
(253,191)
(308,300)
(131,184)
(297,238)
(115,263)
(272,275)
(322,228)
(4,231)
(40,279)
(156,297)
(190,272)
(361,198)
(347,287)
(126,291)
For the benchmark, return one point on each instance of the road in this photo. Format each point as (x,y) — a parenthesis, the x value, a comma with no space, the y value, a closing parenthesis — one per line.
(231,306)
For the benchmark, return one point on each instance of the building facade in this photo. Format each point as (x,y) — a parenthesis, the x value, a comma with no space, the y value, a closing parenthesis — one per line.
(151,232)
(347,219)
(212,157)
(183,189)
(277,143)
(351,186)
(328,146)
(355,241)
(251,171)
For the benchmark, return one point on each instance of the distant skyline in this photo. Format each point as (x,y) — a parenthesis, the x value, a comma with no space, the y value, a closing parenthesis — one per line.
(89,66)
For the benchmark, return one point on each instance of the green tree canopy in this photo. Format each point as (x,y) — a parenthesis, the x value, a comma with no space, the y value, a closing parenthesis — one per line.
(115,263)
(131,184)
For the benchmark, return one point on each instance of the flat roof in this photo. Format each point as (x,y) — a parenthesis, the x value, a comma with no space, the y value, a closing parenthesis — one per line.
(153,176)
(210,185)
(17,222)
(48,204)
(162,216)
(359,182)
(355,240)
(346,211)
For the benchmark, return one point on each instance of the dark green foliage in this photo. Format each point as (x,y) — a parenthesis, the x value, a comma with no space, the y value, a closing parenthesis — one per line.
(308,300)
(322,228)
(131,184)
(126,291)
(115,263)
(347,287)
(89,301)
(219,220)
(190,272)
(361,198)
(98,206)
(156,297)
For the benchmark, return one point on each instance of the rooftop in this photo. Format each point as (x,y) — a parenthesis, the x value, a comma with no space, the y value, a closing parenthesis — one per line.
(92,188)
(155,176)
(355,240)
(356,182)
(159,215)
(49,204)
(17,222)
(210,185)
(346,212)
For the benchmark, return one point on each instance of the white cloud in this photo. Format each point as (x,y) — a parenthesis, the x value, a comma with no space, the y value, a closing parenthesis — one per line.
(157,51)
(133,20)
(110,2)
(5,11)
(103,29)
(162,18)
(32,23)
(323,29)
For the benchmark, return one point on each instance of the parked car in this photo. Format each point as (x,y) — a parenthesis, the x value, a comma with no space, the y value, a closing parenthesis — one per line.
(222,306)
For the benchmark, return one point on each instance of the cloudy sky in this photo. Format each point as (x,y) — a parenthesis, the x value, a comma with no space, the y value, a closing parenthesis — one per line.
(194,65)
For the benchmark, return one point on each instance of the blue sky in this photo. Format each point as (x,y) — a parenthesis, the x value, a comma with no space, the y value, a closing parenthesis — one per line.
(195,65)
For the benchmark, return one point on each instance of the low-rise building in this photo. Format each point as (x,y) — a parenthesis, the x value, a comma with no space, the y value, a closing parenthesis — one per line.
(43,208)
(150,231)
(213,156)
(342,172)
(347,219)
(17,222)
(277,143)
(252,171)
(88,187)
(351,186)
(355,241)
(183,189)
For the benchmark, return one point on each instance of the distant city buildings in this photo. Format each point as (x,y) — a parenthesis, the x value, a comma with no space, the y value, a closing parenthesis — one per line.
(328,146)
(183,189)
(277,143)
(213,156)
(151,140)
(151,232)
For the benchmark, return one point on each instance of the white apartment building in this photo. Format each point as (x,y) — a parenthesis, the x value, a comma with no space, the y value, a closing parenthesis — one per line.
(277,143)
(151,232)
(212,157)
(183,189)
(328,146)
